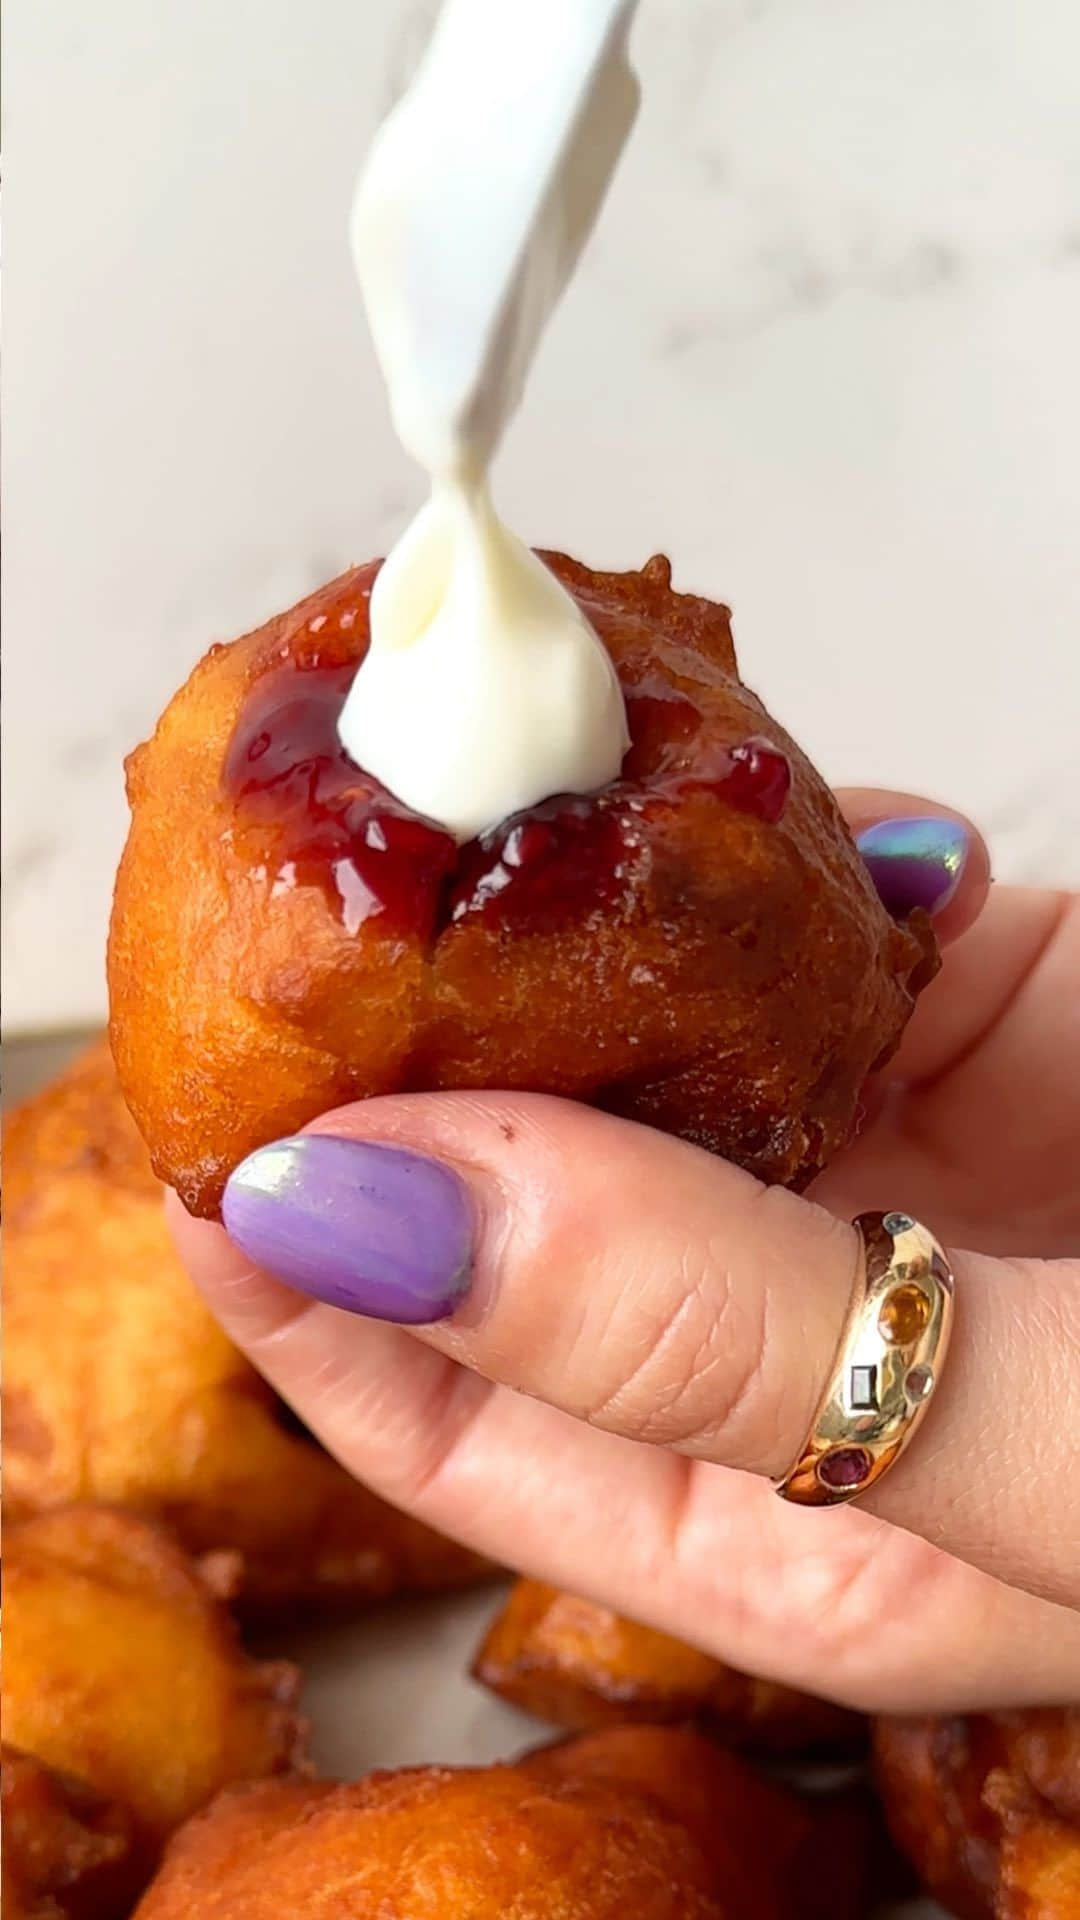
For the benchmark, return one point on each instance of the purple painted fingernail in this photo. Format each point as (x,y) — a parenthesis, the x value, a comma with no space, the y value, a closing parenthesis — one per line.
(375,1229)
(915,861)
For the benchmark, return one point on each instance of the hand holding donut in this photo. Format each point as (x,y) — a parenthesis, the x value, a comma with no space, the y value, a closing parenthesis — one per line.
(610,1342)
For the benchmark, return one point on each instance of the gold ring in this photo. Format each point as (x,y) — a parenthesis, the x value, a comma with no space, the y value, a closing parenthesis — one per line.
(888,1363)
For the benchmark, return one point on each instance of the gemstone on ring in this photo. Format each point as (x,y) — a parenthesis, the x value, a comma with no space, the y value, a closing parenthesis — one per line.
(892,1346)
(863,1389)
(844,1468)
(904,1314)
(919,1384)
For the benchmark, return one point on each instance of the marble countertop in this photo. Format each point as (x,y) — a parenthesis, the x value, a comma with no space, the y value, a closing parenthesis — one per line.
(821,351)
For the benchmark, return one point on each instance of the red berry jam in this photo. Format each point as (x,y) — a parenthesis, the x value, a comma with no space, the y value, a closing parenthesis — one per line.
(327,823)
(757,779)
(566,855)
(331,825)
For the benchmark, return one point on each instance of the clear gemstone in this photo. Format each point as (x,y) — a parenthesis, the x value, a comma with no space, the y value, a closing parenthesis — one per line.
(898,1223)
(843,1468)
(863,1389)
(919,1383)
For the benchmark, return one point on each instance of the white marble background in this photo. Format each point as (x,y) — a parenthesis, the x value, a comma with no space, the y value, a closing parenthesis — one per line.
(823,351)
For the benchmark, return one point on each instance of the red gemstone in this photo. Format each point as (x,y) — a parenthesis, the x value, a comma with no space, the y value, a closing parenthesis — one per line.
(843,1468)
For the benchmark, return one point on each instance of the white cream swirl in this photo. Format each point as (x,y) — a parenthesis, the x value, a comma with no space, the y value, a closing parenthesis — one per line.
(485,690)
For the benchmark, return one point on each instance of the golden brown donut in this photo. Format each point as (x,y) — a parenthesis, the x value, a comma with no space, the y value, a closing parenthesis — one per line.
(67,1852)
(822,1855)
(642,1822)
(120,1386)
(986,1807)
(699,947)
(122,1668)
(1039,1870)
(581,1665)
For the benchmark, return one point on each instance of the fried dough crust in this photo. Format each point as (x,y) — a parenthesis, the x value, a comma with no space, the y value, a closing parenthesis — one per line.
(119,1386)
(67,1852)
(987,1808)
(644,1821)
(122,1668)
(581,1665)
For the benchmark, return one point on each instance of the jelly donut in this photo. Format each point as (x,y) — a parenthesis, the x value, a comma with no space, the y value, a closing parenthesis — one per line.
(698,946)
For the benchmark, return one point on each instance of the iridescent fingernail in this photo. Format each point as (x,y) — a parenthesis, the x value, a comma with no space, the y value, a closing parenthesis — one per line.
(372,1228)
(915,860)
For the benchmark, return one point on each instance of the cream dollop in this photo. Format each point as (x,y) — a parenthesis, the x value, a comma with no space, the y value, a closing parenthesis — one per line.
(485,689)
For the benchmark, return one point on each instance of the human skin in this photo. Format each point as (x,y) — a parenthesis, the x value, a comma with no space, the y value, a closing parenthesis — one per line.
(585,1426)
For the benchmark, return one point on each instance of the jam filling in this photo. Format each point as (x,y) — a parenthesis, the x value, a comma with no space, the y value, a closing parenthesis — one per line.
(324,822)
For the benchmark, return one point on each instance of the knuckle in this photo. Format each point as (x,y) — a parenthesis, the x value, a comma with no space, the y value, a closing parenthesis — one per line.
(688,1373)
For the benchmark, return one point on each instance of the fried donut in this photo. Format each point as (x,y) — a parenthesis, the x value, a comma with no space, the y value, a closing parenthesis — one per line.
(120,1386)
(67,1851)
(986,1807)
(122,1668)
(1039,1868)
(699,946)
(580,1665)
(643,1821)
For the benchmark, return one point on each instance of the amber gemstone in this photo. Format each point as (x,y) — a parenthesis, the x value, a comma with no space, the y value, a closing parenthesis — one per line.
(904,1315)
